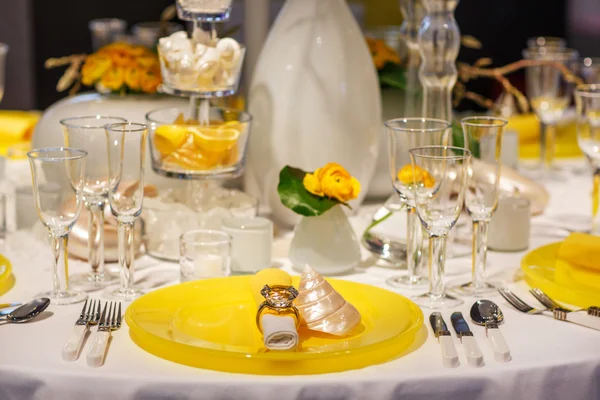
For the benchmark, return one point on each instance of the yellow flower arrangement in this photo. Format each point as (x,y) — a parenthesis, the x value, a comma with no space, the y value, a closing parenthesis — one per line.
(382,53)
(332,181)
(405,175)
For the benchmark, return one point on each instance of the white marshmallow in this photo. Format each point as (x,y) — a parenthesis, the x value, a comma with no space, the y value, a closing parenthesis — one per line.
(208,65)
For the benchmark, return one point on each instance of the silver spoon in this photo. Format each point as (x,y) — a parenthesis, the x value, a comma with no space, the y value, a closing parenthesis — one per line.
(487,313)
(27,311)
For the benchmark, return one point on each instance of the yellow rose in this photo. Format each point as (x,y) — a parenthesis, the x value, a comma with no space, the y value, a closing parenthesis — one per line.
(332,181)
(94,67)
(148,61)
(149,80)
(405,175)
(132,77)
(113,78)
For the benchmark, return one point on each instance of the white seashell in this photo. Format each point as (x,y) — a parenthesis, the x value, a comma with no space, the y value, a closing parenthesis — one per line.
(230,52)
(322,308)
(208,65)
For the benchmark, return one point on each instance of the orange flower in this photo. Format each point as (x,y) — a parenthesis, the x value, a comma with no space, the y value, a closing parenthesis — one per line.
(382,53)
(148,61)
(113,78)
(132,77)
(332,181)
(408,176)
(94,67)
(149,80)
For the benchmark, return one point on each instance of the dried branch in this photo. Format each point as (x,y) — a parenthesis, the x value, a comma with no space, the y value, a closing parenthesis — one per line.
(62,61)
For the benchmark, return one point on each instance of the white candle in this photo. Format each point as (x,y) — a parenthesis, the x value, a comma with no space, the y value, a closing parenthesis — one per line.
(209,265)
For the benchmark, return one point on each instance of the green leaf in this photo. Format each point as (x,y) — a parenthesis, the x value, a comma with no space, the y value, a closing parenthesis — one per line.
(458,139)
(294,195)
(393,75)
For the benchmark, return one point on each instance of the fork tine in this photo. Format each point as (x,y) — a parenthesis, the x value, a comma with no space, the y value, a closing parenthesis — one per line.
(103,316)
(515,301)
(113,321)
(542,298)
(82,315)
(518,300)
(509,299)
(119,317)
(97,316)
(89,315)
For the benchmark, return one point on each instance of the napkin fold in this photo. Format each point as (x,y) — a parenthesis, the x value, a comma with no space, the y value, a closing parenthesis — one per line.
(578,260)
(279,332)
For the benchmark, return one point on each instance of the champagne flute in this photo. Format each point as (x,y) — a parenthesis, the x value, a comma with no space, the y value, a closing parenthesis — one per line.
(58,175)
(126,143)
(587,101)
(484,137)
(549,93)
(440,175)
(404,134)
(87,133)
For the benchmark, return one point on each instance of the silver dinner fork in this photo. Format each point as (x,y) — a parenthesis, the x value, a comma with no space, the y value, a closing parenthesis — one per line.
(560,315)
(109,321)
(551,304)
(90,314)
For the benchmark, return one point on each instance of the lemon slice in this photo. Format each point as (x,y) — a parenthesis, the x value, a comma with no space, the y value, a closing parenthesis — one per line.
(169,138)
(194,160)
(215,139)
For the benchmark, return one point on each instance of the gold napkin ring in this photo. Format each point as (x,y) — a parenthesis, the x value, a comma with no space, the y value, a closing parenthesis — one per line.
(279,300)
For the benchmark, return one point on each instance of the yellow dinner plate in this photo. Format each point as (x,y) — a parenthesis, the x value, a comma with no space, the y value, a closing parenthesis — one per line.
(7,279)
(211,324)
(539,267)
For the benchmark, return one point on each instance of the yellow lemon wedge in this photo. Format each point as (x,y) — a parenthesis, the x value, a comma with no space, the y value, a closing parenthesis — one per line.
(215,139)
(169,138)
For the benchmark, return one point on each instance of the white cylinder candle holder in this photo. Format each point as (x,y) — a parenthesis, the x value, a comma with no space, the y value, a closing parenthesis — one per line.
(251,243)
(510,225)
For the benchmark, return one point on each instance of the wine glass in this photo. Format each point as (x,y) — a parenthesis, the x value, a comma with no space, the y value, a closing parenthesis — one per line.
(404,134)
(587,102)
(440,175)
(87,133)
(58,175)
(126,143)
(484,139)
(547,41)
(549,92)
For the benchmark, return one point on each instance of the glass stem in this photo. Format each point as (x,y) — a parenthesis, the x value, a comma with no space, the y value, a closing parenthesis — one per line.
(437,260)
(60,278)
(547,144)
(96,239)
(414,243)
(480,239)
(596,201)
(437,103)
(126,254)
(412,92)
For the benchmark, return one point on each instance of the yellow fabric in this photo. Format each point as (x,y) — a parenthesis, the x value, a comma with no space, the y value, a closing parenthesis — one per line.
(269,276)
(16,127)
(578,261)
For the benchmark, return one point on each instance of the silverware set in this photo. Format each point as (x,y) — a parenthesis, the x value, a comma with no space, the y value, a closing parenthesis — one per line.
(108,320)
(484,313)
(588,317)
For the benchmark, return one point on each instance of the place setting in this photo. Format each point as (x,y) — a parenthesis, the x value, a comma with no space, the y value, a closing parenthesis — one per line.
(239,205)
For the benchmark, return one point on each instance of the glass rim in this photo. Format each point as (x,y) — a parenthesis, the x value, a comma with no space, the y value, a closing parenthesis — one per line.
(224,237)
(389,123)
(68,121)
(535,39)
(78,154)
(588,90)
(467,121)
(149,118)
(538,53)
(135,127)
(466,152)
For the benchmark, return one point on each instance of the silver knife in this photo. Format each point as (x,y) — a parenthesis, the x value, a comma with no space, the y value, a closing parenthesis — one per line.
(441,332)
(472,350)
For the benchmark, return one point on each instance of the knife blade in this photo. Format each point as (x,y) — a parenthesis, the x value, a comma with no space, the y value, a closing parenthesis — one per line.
(441,332)
(472,350)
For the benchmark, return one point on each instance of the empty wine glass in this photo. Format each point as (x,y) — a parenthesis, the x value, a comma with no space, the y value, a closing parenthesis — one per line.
(549,92)
(87,133)
(440,175)
(484,139)
(58,175)
(404,134)
(587,101)
(126,142)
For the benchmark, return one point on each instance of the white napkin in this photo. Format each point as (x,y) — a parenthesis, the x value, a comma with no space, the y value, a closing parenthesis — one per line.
(279,332)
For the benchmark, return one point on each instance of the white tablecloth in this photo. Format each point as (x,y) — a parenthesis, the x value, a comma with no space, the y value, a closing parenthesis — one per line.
(551,359)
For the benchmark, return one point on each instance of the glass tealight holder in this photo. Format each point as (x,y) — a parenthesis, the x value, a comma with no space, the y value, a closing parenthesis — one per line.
(204,254)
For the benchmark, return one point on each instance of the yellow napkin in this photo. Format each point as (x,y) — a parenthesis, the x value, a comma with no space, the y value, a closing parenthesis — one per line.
(578,262)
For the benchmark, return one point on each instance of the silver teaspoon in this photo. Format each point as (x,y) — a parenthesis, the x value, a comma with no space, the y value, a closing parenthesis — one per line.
(27,311)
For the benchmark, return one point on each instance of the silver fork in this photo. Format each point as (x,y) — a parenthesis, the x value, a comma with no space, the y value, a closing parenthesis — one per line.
(90,314)
(551,304)
(560,315)
(109,321)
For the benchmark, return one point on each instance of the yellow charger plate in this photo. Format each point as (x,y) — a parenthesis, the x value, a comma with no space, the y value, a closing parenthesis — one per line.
(7,279)
(210,324)
(539,267)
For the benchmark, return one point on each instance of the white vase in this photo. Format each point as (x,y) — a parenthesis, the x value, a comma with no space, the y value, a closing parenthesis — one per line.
(314,98)
(327,243)
(48,131)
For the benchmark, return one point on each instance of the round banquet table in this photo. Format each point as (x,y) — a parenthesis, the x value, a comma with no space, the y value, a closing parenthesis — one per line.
(550,359)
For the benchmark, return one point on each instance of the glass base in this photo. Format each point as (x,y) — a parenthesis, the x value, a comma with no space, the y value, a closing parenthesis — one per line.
(90,282)
(64,297)
(407,282)
(428,300)
(468,289)
(122,295)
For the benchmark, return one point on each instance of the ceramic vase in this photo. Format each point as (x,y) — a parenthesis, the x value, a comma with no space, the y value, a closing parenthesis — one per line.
(326,243)
(314,98)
